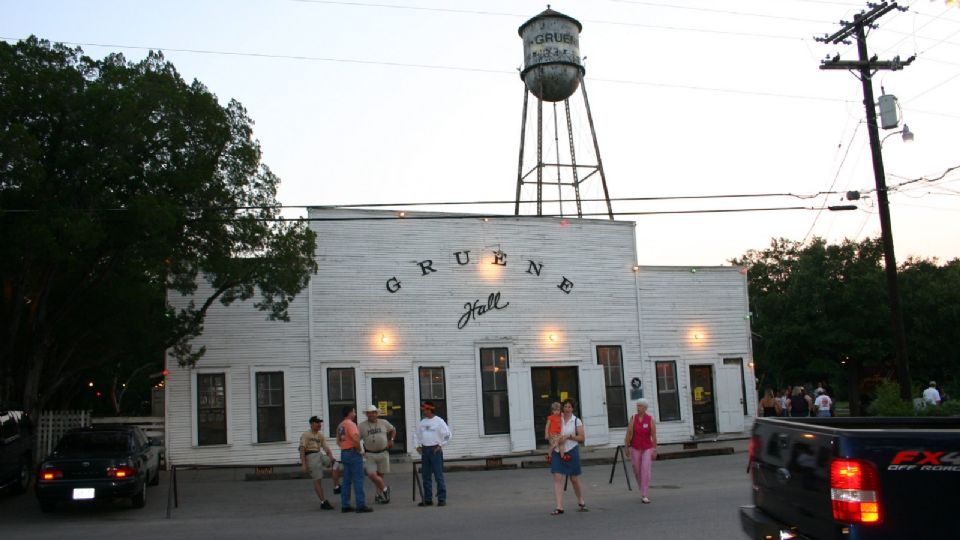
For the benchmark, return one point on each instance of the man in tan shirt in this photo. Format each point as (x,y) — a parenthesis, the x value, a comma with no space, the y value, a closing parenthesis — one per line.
(377,435)
(315,456)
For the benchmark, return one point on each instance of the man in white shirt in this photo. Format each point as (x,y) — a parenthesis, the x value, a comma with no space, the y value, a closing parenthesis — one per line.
(931,395)
(431,436)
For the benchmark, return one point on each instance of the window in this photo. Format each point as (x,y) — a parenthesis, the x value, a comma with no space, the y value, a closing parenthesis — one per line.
(611,358)
(271,421)
(493,379)
(211,409)
(432,388)
(668,399)
(341,391)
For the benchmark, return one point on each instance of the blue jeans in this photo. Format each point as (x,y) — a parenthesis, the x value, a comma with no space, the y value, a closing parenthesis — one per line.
(433,466)
(352,476)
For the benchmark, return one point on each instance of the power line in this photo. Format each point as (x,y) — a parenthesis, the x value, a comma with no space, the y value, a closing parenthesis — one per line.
(835,176)
(526,16)
(439,67)
(459,203)
(720,11)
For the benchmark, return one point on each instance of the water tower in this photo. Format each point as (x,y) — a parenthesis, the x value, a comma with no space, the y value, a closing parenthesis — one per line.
(553,71)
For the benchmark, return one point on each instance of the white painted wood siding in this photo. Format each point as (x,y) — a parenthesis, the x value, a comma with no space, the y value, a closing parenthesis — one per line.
(352,307)
(240,340)
(678,302)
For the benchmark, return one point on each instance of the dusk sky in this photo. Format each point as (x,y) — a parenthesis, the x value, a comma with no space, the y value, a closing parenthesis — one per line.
(420,101)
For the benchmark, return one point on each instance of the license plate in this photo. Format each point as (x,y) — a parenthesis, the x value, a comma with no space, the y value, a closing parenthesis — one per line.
(82,494)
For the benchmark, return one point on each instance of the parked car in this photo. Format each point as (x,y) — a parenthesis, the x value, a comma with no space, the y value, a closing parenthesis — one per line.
(16,451)
(853,478)
(100,462)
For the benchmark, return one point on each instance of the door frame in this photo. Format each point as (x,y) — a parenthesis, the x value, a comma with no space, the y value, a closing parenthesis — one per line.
(713,395)
(368,377)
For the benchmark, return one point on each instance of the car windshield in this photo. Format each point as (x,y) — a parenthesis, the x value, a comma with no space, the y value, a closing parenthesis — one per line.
(93,442)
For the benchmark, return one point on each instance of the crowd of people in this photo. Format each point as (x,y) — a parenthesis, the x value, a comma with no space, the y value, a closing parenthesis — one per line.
(364,448)
(796,401)
(364,452)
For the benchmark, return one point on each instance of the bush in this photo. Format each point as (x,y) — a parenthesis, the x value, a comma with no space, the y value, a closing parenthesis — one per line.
(888,402)
(948,408)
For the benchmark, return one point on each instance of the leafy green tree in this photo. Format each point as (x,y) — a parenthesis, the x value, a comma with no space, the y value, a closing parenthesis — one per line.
(820,310)
(119,182)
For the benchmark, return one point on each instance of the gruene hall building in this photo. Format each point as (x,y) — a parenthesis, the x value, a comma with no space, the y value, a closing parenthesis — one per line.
(492,319)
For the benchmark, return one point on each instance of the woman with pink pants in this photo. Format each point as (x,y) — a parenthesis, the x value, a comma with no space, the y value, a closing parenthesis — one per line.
(642,442)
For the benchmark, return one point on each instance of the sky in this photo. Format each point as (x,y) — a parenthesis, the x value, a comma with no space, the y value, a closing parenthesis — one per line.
(418,101)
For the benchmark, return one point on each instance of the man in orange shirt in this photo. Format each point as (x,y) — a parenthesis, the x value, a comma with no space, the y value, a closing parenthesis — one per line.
(351,456)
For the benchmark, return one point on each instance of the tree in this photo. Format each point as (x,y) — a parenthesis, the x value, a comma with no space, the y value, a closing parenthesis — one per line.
(814,306)
(820,310)
(120,182)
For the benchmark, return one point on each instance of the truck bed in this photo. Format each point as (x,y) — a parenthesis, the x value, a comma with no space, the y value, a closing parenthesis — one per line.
(917,461)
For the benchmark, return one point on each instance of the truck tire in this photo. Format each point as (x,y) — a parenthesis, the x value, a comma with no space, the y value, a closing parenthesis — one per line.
(23,477)
(140,499)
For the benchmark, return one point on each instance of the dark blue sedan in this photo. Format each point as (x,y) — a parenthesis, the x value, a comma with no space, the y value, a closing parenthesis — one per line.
(101,462)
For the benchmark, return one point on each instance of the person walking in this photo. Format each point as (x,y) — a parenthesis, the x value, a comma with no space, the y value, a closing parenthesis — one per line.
(351,456)
(377,435)
(769,405)
(315,456)
(570,436)
(431,436)
(641,439)
(823,404)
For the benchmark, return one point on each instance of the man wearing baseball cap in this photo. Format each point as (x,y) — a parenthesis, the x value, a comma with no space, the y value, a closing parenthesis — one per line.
(431,436)
(315,456)
(378,435)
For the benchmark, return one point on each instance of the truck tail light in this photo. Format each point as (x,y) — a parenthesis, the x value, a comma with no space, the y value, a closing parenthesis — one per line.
(855,491)
(48,474)
(752,451)
(122,471)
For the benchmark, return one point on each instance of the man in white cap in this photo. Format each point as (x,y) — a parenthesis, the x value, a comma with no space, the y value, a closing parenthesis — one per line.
(377,435)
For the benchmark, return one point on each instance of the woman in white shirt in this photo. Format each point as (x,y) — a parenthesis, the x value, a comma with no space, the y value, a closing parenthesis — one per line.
(571,435)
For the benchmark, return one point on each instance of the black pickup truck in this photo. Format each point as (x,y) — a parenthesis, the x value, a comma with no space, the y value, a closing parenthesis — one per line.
(854,478)
(16,451)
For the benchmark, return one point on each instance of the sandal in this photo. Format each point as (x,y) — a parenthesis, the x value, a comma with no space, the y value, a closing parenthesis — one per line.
(583,508)
(556,512)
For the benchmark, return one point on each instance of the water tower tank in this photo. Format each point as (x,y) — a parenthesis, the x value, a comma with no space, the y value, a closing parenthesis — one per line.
(551,55)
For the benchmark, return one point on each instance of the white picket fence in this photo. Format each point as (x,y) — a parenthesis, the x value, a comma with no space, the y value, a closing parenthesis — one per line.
(53,424)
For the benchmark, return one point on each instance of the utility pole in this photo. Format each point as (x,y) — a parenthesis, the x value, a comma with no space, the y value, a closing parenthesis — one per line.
(866,67)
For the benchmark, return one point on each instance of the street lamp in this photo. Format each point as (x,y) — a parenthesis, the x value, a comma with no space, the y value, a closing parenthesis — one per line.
(904,133)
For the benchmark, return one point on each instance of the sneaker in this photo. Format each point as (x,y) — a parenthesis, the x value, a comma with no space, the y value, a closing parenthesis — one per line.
(378,499)
(364,510)
(386,494)
(346,509)
(442,503)
(325,505)
(336,489)
(425,503)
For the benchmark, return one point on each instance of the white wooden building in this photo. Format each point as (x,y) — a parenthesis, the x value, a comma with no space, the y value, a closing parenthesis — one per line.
(491,319)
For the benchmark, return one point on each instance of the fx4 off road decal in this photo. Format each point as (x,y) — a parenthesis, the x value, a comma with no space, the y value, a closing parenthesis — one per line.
(925,460)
